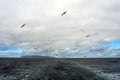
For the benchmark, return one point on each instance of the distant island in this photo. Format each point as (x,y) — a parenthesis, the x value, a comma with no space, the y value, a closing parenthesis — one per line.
(36,56)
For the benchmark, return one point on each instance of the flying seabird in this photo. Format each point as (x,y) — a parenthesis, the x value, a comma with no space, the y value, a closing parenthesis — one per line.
(23,25)
(63,13)
(88,36)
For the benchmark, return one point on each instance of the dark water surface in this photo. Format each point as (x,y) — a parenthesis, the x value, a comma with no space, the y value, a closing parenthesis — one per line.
(55,69)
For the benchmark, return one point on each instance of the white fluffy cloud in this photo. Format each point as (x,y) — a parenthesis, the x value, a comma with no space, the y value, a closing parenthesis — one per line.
(46,32)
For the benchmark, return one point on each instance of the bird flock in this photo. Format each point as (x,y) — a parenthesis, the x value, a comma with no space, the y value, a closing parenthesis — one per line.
(63,14)
(22,26)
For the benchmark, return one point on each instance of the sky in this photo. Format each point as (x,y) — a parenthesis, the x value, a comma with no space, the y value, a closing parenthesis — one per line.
(47,33)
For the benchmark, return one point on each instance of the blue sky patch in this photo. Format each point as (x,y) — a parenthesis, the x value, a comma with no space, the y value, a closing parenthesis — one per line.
(9,49)
(113,45)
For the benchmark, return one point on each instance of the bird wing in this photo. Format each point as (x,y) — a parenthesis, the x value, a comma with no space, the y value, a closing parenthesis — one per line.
(22,25)
(63,13)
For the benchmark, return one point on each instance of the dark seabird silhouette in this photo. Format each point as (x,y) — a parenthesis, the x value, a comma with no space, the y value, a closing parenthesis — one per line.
(63,13)
(56,55)
(23,25)
(88,36)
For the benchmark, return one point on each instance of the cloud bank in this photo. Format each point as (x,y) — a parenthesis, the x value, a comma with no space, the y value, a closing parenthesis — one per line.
(48,33)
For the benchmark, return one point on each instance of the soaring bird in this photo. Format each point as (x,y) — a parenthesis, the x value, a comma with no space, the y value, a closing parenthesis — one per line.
(88,36)
(23,25)
(63,13)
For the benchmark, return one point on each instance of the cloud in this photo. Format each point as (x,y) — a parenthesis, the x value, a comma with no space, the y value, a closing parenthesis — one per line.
(46,31)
